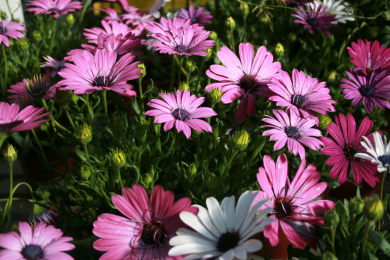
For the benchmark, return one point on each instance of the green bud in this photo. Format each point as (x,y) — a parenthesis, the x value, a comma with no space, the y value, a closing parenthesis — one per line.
(264,19)
(73,97)
(230,24)
(292,37)
(70,19)
(215,95)
(143,69)
(37,36)
(192,169)
(190,65)
(386,15)
(331,218)
(118,158)
(328,256)
(62,97)
(209,53)
(85,171)
(213,35)
(148,179)
(184,86)
(84,134)
(279,50)
(332,75)
(325,121)
(45,126)
(244,9)
(10,154)
(356,205)
(23,44)
(43,192)
(239,141)
(373,209)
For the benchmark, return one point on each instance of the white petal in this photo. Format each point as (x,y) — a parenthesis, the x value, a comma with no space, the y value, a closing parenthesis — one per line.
(228,207)
(190,249)
(205,218)
(194,222)
(364,156)
(181,240)
(251,214)
(240,253)
(252,245)
(228,255)
(184,231)
(256,229)
(199,256)
(381,168)
(216,214)
(243,205)
(378,144)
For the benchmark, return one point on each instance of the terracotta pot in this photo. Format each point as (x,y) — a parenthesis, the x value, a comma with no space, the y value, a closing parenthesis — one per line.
(275,252)
(348,190)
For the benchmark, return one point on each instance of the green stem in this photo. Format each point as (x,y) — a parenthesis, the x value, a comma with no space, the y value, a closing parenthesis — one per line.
(173,73)
(11,185)
(89,109)
(86,151)
(265,253)
(332,237)
(83,12)
(70,118)
(140,87)
(353,222)
(120,179)
(104,92)
(24,199)
(28,186)
(9,9)
(227,166)
(39,145)
(54,28)
(3,136)
(365,238)
(180,67)
(381,195)
(5,70)
(199,72)
(188,79)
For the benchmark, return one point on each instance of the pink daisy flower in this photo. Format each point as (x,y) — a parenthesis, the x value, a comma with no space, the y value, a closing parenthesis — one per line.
(112,14)
(10,29)
(292,210)
(181,110)
(367,56)
(147,227)
(125,5)
(319,21)
(181,38)
(292,130)
(139,20)
(54,64)
(100,71)
(303,95)
(113,27)
(343,148)
(54,7)
(196,16)
(39,243)
(12,120)
(374,89)
(245,78)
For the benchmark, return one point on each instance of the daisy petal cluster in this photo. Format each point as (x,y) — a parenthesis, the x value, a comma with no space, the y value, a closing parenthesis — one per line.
(320,21)
(177,36)
(336,7)
(54,7)
(54,64)
(303,95)
(345,146)
(292,208)
(243,78)
(146,228)
(92,73)
(290,129)
(112,14)
(378,155)
(113,27)
(138,20)
(222,231)
(125,5)
(10,29)
(182,111)
(196,15)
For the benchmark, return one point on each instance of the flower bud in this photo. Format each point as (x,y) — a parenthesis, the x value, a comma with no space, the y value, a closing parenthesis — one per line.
(325,121)
(263,19)
(386,15)
(84,134)
(215,95)
(373,209)
(23,44)
(332,75)
(184,86)
(10,154)
(328,256)
(85,171)
(148,179)
(45,126)
(292,37)
(356,205)
(62,97)
(190,66)
(331,218)
(213,36)
(118,158)
(43,192)
(37,36)
(41,214)
(209,53)
(239,141)
(192,169)
(230,24)
(244,10)
(70,19)
(143,69)
(279,50)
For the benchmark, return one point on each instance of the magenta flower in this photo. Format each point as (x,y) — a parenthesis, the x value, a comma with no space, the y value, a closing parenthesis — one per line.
(181,110)
(343,148)
(139,20)
(125,5)
(320,21)
(54,7)
(182,38)
(367,57)
(10,29)
(12,120)
(292,210)
(54,64)
(147,227)
(39,243)
(196,16)
(374,89)
(245,78)
(112,14)
(113,27)
(293,130)
(303,95)
(93,73)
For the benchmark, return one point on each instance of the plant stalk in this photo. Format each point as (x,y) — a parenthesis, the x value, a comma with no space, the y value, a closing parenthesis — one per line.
(104,92)
(5,70)
(54,28)
(365,238)
(39,145)
(86,151)
(70,118)
(381,194)
(332,235)
(11,188)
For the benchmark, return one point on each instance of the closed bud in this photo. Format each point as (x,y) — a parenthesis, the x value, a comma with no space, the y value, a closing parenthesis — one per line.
(292,37)
(332,75)
(143,69)
(244,9)
(148,179)
(73,97)
(215,95)
(373,209)
(213,36)
(43,192)
(42,214)
(37,36)
(230,24)
(239,141)
(325,121)
(118,158)
(356,205)
(190,65)
(264,19)
(70,19)
(209,53)
(279,50)
(23,44)
(62,97)
(331,218)
(184,86)
(45,126)
(329,256)
(85,171)
(84,134)
(10,154)
(386,15)
(192,169)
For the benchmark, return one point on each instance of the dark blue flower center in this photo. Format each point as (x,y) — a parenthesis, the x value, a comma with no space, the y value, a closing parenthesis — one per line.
(193,20)
(350,152)
(32,252)
(366,90)
(100,82)
(283,208)
(180,114)
(299,101)
(152,234)
(384,159)
(2,29)
(181,48)
(312,21)
(292,131)
(228,241)
(54,9)
(247,82)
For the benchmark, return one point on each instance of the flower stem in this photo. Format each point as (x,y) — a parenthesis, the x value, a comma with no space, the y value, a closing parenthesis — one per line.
(381,195)
(54,28)
(11,187)
(83,12)
(105,103)
(332,237)
(173,72)
(120,179)
(265,253)
(199,72)
(39,145)
(140,88)
(3,136)
(227,166)
(179,73)
(5,70)
(89,110)
(86,151)
(365,238)
(9,9)
(70,118)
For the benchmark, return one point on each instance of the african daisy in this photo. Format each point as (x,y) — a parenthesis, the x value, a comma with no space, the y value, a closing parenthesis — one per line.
(54,7)
(114,27)
(320,21)
(10,29)
(196,16)
(54,64)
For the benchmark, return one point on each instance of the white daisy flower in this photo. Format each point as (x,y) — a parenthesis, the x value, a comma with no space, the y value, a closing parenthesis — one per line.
(380,154)
(221,231)
(336,7)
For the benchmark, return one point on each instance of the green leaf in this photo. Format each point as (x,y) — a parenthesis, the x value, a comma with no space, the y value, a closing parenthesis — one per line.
(358,193)
(80,154)
(385,200)
(379,240)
